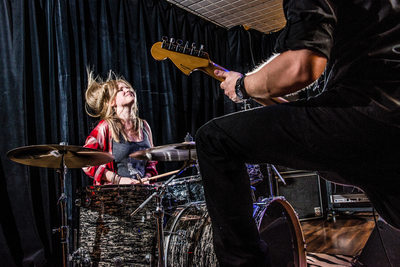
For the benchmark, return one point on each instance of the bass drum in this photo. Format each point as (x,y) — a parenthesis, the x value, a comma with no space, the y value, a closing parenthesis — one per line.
(280,228)
(188,237)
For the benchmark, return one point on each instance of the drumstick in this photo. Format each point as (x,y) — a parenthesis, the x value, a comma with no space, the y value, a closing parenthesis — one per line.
(160,176)
(139,178)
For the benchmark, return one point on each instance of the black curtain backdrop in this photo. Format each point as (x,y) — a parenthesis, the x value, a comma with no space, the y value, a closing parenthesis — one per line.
(45,47)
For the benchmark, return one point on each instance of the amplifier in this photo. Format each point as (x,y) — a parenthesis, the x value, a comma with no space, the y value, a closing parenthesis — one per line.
(302,191)
(349,198)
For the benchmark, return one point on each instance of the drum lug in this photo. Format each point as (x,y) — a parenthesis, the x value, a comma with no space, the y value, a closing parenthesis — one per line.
(78,202)
(181,233)
(81,257)
(118,261)
(149,258)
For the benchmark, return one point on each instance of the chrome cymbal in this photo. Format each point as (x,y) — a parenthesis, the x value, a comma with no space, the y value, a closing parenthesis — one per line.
(51,156)
(173,152)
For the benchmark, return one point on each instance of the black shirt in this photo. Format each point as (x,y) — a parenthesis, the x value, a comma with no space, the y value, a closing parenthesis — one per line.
(361,40)
(127,166)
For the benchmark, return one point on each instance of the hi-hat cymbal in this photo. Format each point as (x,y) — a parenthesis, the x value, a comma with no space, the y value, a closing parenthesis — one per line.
(173,152)
(50,156)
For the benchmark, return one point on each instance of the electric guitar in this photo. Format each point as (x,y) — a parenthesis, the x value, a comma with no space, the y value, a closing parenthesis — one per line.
(189,58)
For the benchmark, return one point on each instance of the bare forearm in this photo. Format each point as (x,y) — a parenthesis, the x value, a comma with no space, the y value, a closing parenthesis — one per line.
(287,73)
(108,176)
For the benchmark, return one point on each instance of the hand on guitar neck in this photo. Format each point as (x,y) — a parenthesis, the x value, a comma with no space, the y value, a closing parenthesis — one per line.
(189,58)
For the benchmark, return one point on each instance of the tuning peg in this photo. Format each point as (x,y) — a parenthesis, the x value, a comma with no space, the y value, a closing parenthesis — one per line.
(186,47)
(164,41)
(179,43)
(193,48)
(171,43)
(200,50)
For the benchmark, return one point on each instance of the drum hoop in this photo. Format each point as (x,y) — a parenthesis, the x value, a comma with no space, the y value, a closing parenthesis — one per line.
(111,187)
(175,222)
(186,179)
(296,227)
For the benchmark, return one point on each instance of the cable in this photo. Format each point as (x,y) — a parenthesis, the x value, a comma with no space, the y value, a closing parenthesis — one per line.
(380,237)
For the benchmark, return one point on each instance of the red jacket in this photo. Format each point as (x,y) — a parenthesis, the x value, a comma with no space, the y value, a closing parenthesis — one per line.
(100,138)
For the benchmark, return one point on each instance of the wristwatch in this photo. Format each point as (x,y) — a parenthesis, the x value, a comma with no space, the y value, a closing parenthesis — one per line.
(240,90)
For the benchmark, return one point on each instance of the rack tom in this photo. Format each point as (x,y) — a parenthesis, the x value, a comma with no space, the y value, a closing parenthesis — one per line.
(182,191)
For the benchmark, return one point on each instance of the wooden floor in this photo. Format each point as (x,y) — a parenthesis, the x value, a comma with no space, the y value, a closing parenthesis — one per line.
(346,236)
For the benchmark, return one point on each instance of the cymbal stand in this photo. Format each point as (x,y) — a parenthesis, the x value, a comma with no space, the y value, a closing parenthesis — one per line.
(269,172)
(270,169)
(159,213)
(62,201)
(278,174)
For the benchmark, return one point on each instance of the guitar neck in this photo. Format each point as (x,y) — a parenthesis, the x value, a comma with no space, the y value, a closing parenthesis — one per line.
(211,68)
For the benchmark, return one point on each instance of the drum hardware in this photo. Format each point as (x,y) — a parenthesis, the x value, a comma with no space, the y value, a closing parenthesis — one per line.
(271,168)
(278,174)
(60,157)
(180,233)
(253,195)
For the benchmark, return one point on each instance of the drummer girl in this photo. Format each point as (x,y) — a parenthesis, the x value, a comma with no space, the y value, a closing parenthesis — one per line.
(119,132)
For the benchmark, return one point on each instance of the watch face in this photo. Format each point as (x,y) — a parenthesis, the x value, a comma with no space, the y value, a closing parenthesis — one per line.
(238,92)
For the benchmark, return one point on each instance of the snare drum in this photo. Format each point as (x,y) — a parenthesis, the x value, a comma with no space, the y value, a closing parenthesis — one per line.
(108,235)
(182,191)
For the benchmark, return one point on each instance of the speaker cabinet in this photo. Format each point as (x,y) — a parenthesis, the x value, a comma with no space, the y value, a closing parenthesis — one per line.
(302,191)
(382,248)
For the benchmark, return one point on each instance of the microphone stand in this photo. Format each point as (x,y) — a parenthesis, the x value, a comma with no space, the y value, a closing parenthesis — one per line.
(159,213)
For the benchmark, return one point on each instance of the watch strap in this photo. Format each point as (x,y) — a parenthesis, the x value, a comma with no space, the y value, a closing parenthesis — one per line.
(240,88)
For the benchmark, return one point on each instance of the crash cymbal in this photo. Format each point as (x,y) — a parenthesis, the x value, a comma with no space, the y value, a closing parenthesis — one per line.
(173,152)
(50,156)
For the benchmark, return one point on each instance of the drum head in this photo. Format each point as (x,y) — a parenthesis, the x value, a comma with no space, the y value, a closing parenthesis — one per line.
(280,228)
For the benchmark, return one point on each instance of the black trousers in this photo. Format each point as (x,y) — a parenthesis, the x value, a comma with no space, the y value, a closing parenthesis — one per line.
(317,135)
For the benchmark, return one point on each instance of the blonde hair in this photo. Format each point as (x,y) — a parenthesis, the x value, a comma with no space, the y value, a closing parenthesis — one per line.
(99,96)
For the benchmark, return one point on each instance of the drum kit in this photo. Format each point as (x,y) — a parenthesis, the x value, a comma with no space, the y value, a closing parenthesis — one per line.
(159,224)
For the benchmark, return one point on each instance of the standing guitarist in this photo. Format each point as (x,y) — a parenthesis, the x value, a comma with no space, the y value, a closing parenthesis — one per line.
(351,130)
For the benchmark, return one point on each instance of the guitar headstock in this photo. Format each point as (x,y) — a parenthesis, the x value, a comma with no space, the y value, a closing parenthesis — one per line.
(186,57)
